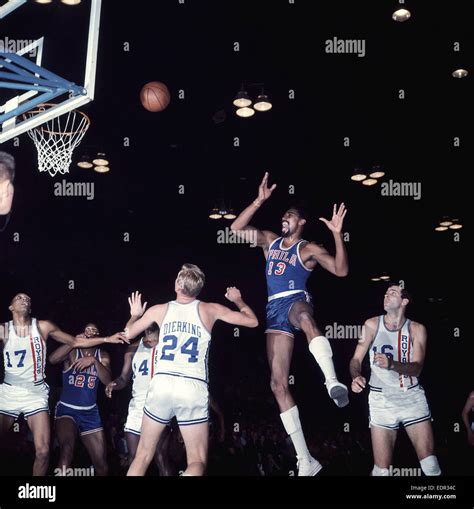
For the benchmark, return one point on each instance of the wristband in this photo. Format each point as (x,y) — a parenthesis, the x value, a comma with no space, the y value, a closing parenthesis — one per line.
(105,339)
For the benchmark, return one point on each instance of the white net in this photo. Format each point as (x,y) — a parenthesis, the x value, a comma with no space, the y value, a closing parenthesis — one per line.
(56,140)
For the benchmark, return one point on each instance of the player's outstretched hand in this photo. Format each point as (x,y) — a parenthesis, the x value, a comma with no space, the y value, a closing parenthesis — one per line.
(335,225)
(358,384)
(109,388)
(233,294)
(136,307)
(118,339)
(264,192)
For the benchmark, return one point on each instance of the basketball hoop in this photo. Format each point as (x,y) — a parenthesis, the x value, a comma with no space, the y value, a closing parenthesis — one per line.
(56,139)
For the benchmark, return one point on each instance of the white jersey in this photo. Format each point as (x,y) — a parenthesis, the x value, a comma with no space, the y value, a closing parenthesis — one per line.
(144,369)
(24,357)
(399,345)
(184,342)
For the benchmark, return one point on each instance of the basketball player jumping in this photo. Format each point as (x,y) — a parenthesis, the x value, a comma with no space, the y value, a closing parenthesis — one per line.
(77,409)
(24,390)
(180,386)
(139,361)
(397,353)
(290,261)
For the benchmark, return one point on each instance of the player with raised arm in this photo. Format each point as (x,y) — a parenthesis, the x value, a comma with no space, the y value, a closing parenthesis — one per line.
(290,262)
(180,386)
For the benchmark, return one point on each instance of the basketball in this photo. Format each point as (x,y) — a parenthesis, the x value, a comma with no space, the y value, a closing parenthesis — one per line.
(155,96)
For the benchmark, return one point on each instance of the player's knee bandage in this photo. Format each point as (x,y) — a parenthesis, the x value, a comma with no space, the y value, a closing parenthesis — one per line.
(430,466)
(320,348)
(291,420)
(380,472)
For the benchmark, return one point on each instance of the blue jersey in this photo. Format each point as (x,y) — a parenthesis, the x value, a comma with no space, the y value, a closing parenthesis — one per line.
(80,388)
(286,273)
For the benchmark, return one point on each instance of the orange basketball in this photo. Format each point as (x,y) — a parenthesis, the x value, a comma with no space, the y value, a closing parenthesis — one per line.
(155,96)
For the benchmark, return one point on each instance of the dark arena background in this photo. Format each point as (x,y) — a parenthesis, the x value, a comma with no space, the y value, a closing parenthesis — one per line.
(394,103)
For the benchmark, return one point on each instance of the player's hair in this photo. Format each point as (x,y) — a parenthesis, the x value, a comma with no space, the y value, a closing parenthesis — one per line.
(7,167)
(404,293)
(152,329)
(301,211)
(191,280)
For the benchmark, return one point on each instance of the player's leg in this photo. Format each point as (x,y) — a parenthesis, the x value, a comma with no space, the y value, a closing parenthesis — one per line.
(196,438)
(132,445)
(39,426)
(163,454)
(421,436)
(301,317)
(96,446)
(66,433)
(279,352)
(6,422)
(383,443)
(149,438)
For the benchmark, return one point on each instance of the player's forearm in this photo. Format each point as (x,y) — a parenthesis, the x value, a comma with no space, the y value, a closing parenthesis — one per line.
(60,354)
(88,343)
(245,217)
(120,383)
(341,258)
(355,368)
(247,312)
(131,321)
(103,373)
(406,368)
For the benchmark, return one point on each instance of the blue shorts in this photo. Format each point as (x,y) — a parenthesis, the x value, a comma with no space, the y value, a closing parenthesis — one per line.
(278,312)
(87,421)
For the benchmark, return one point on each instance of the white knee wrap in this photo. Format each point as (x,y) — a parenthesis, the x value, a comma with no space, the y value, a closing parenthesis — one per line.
(430,466)
(320,348)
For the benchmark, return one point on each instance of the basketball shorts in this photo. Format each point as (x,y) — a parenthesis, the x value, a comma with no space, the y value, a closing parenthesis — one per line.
(135,415)
(27,399)
(88,421)
(390,410)
(278,312)
(170,396)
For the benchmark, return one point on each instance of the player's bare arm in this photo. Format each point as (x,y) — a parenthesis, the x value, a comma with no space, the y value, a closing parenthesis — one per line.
(102,366)
(154,314)
(48,328)
(419,336)
(338,264)
(122,380)
(245,317)
(263,238)
(365,342)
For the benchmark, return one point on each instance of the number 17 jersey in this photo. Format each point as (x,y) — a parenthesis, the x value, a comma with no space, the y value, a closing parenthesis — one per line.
(184,342)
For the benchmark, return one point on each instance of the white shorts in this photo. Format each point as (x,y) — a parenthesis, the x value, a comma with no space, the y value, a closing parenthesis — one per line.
(135,416)
(28,399)
(389,410)
(171,396)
